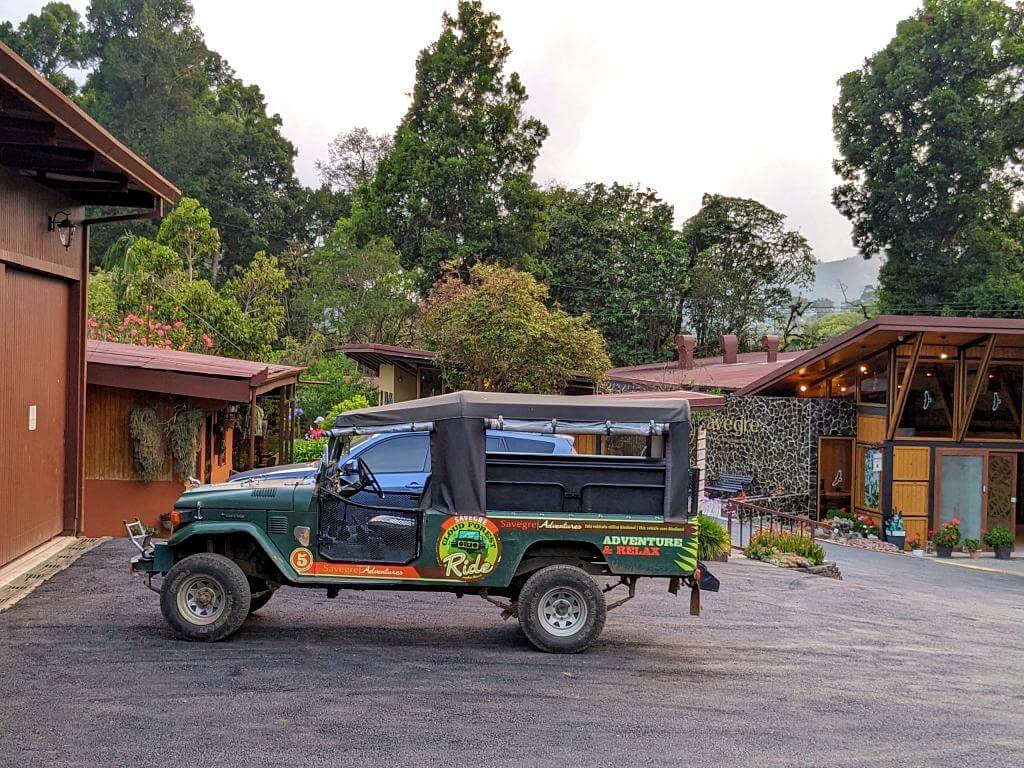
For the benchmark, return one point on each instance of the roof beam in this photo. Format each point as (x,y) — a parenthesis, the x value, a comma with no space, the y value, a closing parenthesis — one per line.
(972,401)
(41,158)
(902,391)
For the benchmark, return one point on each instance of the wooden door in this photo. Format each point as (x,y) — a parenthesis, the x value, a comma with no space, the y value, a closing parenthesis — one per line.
(1002,490)
(34,316)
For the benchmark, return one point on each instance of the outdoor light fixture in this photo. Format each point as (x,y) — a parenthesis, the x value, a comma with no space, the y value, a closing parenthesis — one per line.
(943,356)
(803,387)
(62,224)
(863,369)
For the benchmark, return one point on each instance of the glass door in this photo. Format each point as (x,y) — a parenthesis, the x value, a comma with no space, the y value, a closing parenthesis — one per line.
(961,489)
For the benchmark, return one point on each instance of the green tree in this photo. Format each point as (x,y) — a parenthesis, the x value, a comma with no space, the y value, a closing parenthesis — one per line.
(612,251)
(931,138)
(340,379)
(188,231)
(458,184)
(52,41)
(361,293)
(743,265)
(496,332)
(352,158)
(814,333)
(159,89)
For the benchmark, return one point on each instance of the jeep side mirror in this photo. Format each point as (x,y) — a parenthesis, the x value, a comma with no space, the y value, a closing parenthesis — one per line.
(350,467)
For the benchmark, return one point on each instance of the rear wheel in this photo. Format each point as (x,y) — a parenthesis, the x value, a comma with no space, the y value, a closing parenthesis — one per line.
(205,597)
(561,609)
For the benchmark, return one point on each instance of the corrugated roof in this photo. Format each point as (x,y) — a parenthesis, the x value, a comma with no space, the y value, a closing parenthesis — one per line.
(135,356)
(697,400)
(707,372)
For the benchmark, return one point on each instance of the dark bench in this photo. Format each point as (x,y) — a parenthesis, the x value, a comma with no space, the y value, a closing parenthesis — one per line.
(729,485)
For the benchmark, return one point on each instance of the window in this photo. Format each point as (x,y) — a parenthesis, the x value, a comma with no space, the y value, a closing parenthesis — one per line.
(997,412)
(408,453)
(871,475)
(844,385)
(874,379)
(525,445)
(928,411)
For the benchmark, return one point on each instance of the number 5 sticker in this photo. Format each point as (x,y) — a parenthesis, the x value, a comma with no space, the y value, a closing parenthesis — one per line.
(301,559)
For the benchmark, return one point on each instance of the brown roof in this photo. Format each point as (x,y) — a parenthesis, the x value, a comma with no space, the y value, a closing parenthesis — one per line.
(878,333)
(372,355)
(48,137)
(707,372)
(701,401)
(130,366)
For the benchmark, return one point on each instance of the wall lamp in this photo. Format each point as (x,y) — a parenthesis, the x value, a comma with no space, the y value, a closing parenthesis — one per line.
(61,223)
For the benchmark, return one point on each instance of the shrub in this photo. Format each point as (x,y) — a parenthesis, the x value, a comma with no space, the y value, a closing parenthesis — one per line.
(712,538)
(914,541)
(998,537)
(309,450)
(768,543)
(971,545)
(353,403)
(948,535)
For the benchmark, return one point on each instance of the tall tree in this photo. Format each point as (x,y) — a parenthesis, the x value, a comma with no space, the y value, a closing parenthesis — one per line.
(497,333)
(931,135)
(458,184)
(187,230)
(612,251)
(352,158)
(743,266)
(159,88)
(52,41)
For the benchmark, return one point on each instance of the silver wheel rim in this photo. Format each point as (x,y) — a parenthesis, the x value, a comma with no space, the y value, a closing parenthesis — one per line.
(562,611)
(201,599)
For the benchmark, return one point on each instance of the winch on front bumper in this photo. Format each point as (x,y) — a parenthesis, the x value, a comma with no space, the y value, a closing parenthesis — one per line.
(153,557)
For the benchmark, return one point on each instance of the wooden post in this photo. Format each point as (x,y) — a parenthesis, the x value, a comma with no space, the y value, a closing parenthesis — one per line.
(903,392)
(252,429)
(972,401)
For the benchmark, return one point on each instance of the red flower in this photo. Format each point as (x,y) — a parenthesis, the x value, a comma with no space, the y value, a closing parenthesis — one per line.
(954,521)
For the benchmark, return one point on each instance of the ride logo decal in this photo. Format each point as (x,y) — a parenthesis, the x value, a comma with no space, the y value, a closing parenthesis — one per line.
(468,548)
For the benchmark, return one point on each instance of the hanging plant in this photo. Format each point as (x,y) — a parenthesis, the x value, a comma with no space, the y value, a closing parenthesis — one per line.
(147,441)
(183,435)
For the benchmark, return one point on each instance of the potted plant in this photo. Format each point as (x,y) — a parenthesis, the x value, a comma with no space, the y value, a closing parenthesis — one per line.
(947,537)
(914,545)
(895,532)
(1001,541)
(971,547)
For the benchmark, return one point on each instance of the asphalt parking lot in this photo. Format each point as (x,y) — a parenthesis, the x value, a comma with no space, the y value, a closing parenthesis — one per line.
(902,663)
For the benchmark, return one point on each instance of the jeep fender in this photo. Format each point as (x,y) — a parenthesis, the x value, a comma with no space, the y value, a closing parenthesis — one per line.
(204,529)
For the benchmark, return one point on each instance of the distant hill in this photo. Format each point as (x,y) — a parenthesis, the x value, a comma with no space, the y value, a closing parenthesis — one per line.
(854,272)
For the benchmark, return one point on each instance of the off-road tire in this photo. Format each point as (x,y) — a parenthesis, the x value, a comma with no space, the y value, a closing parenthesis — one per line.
(259,599)
(209,577)
(561,609)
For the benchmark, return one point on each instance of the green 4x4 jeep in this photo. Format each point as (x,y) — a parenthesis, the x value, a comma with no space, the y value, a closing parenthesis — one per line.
(531,533)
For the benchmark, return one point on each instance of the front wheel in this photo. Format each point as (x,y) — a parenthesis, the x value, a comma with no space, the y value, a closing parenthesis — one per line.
(561,609)
(205,597)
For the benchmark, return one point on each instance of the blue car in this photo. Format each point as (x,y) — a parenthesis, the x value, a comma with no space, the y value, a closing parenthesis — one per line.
(401,462)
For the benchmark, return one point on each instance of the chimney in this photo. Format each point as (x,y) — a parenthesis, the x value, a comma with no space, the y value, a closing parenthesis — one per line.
(730,344)
(685,345)
(770,343)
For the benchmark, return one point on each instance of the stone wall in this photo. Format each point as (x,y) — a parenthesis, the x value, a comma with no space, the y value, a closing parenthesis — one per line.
(775,440)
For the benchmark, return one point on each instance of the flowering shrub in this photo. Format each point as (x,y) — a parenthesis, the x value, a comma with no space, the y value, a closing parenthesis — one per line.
(914,541)
(862,525)
(766,544)
(146,331)
(948,535)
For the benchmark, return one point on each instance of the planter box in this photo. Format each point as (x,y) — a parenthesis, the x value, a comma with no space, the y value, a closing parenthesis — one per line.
(899,539)
(944,551)
(1003,553)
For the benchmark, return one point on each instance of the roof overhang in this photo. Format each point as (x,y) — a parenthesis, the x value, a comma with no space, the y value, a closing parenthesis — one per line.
(881,332)
(372,356)
(47,138)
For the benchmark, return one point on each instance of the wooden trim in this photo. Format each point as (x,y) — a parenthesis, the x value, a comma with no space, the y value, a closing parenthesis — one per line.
(970,404)
(41,266)
(252,429)
(896,412)
(169,382)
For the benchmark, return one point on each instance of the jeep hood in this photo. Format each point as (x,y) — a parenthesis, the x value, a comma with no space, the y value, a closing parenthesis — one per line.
(255,494)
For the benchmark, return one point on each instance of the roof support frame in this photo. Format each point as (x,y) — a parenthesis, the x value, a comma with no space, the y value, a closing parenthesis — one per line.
(972,400)
(896,413)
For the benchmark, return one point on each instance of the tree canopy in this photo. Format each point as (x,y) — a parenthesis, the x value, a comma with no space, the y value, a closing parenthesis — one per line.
(52,41)
(613,251)
(458,184)
(931,135)
(743,266)
(496,332)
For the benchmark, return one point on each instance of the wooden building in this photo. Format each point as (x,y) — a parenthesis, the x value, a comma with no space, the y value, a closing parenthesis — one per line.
(938,429)
(247,421)
(54,161)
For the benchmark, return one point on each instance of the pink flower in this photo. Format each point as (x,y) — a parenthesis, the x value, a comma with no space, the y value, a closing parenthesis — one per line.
(144,341)
(207,340)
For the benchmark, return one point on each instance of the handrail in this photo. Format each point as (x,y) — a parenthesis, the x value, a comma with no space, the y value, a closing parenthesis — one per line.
(751,519)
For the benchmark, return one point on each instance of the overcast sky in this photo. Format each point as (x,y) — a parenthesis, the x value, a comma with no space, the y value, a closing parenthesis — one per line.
(733,97)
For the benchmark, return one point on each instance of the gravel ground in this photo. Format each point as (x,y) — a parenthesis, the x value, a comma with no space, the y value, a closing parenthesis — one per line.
(903,663)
